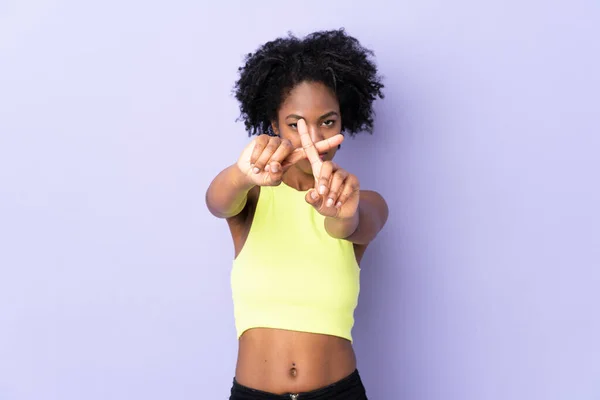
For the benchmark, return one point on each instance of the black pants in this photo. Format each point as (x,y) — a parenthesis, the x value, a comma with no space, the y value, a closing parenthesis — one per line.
(349,388)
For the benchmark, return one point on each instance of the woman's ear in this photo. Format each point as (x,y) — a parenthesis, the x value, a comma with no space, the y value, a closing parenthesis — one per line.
(274,128)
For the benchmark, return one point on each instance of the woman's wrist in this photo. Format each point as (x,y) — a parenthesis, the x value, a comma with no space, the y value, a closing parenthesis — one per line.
(240,179)
(341,228)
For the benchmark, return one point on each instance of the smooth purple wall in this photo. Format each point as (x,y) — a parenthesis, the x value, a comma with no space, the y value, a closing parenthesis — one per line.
(115,116)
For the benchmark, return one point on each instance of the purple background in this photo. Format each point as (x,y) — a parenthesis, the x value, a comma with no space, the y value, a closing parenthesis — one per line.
(115,116)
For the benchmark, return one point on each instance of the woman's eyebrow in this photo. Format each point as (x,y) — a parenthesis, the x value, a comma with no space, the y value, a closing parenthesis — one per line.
(329,114)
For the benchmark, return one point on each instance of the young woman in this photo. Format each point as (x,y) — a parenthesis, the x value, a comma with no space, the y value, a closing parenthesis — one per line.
(300,222)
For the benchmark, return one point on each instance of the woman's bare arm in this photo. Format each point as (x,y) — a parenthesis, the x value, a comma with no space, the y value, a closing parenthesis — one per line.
(228,192)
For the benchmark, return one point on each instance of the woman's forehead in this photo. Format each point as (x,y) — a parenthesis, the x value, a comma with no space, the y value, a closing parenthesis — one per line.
(312,97)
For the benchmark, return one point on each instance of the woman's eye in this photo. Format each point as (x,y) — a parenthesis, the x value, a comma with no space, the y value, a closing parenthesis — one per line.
(293,126)
(329,122)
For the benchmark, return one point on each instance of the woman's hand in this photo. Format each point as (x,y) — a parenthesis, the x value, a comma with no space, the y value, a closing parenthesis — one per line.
(337,192)
(266,158)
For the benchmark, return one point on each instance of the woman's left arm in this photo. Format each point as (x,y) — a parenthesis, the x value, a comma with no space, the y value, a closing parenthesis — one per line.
(350,213)
(368,220)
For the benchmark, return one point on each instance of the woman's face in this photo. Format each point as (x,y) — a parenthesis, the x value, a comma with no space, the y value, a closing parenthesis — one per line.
(318,106)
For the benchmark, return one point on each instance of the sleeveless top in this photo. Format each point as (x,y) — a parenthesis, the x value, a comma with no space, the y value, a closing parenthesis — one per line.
(291,274)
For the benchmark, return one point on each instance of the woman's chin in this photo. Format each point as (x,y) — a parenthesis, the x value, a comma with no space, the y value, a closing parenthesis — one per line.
(304,167)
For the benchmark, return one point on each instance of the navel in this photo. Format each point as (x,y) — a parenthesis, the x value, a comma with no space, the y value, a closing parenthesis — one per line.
(293,370)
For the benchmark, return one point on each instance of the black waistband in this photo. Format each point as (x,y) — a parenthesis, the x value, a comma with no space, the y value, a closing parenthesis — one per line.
(352,384)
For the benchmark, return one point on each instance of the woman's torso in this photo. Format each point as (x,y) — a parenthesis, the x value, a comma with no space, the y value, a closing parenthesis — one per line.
(284,361)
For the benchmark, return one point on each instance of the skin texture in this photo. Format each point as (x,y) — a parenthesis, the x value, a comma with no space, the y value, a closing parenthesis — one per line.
(309,126)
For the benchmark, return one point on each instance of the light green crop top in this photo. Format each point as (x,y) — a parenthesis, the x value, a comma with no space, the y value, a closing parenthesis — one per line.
(291,274)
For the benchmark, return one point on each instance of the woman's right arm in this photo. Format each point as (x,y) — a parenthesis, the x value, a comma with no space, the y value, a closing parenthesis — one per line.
(258,165)
(228,192)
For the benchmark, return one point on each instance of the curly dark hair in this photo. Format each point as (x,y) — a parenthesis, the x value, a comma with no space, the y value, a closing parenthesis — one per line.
(331,57)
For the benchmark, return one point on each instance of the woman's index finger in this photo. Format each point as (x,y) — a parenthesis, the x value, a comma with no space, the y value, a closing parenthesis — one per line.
(309,148)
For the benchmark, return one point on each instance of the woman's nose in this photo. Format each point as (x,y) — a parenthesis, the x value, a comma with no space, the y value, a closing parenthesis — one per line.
(315,133)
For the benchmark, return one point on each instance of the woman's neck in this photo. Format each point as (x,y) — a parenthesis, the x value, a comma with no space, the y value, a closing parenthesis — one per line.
(299,180)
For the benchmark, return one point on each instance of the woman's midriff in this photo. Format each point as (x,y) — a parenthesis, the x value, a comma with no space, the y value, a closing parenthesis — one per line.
(281,361)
